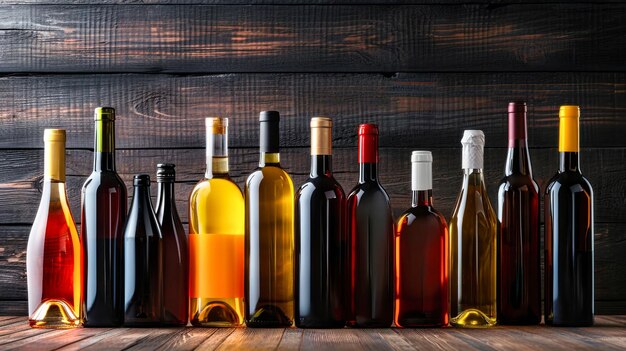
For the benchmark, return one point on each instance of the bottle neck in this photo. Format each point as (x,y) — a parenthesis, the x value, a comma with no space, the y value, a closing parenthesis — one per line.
(518,159)
(141,198)
(368,172)
(104,145)
(54,162)
(216,154)
(569,161)
(321,165)
(269,159)
(166,200)
(422,198)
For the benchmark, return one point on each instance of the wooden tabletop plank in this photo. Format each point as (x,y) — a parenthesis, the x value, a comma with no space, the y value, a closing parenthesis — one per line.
(128,338)
(101,336)
(291,339)
(216,339)
(252,338)
(188,339)
(53,341)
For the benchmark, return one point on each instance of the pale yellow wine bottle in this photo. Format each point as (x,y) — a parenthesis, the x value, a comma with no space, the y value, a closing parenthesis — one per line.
(269,267)
(473,229)
(216,238)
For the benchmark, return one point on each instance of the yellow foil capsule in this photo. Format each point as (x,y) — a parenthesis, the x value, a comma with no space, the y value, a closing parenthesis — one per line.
(568,128)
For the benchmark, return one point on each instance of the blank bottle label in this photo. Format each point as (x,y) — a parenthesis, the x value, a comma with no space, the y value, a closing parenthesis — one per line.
(216,265)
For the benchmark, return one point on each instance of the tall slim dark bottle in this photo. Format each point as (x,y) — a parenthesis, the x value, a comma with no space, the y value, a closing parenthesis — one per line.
(519,270)
(269,235)
(143,260)
(421,262)
(175,251)
(103,217)
(371,231)
(321,265)
(569,233)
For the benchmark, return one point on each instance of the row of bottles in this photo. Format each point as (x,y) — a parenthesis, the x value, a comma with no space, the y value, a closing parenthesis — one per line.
(272,256)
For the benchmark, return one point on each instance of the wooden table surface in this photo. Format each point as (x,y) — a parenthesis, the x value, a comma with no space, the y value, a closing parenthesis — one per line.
(608,334)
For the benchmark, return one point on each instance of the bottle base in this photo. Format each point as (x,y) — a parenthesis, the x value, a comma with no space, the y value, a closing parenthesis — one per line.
(472,318)
(216,314)
(54,314)
(269,317)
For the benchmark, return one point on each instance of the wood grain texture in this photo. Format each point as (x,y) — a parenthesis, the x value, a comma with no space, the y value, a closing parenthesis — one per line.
(413,110)
(21,173)
(609,333)
(297,2)
(192,39)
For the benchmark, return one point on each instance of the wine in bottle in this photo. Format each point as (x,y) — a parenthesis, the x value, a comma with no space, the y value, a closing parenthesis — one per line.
(569,233)
(53,255)
(321,264)
(269,228)
(103,217)
(371,234)
(421,264)
(175,251)
(143,259)
(519,273)
(216,238)
(473,249)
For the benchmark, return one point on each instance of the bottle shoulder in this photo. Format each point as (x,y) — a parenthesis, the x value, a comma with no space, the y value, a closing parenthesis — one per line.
(422,214)
(104,179)
(518,182)
(215,187)
(569,181)
(368,189)
(268,176)
(321,184)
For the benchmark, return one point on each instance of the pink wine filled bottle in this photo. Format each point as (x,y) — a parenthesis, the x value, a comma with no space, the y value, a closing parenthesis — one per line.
(421,263)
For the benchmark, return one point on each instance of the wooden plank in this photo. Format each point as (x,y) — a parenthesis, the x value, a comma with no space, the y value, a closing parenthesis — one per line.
(128,338)
(413,110)
(294,2)
(80,344)
(216,339)
(252,338)
(21,172)
(201,39)
(53,341)
(188,339)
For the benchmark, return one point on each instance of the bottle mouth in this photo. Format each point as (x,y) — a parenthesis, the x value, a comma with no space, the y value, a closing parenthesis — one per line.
(104,113)
(368,129)
(516,107)
(141,180)
(166,172)
(269,116)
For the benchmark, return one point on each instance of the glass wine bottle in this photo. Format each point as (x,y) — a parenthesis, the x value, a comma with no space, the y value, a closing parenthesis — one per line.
(473,249)
(103,217)
(216,238)
(519,273)
(569,231)
(269,228)
(421,264)
(321,270)
(53,255)
(175,251)
(143,260)
(371,234)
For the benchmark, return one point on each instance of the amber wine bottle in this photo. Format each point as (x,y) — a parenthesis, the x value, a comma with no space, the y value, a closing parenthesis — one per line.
(473,235)
(53,255)
(216,238)
(269,228)
(569,233)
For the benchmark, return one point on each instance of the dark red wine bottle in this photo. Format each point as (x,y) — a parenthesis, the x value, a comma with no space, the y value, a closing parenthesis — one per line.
(519,273)
(103,216)
(320,239)
(371,232)
(143,260)
(569,234)
(421,264)
(175,250)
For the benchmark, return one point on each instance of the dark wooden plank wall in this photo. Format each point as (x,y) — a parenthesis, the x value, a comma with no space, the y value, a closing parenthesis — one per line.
(424,70)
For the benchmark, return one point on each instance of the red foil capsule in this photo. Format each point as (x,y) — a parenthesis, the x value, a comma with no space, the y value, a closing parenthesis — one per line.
(368,143)
(517,122)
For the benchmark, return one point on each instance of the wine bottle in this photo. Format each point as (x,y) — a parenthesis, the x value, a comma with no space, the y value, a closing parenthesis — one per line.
(321,262)
(473,249)
(371,234)
(269,228)
(421,264)
(519,273)
(569,232)
(103,216)
(216,238)
(143,259)
(53,255)
(175,251)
